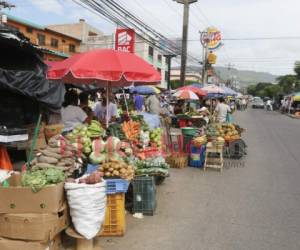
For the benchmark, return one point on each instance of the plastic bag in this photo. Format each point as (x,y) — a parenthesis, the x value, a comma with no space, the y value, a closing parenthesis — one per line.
(5,162)
(87,207)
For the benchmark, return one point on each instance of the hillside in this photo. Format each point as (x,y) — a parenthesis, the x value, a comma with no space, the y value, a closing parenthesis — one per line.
(245,77)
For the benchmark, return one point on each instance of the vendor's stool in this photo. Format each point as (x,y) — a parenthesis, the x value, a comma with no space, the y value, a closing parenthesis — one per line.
(214,157)
(81,242)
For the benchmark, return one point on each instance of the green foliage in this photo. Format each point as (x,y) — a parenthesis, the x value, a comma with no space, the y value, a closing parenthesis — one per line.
(264,89)
(297,69)
(177,84)
(288,83)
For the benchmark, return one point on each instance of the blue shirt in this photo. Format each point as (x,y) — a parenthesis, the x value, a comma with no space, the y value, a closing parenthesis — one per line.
(138,102)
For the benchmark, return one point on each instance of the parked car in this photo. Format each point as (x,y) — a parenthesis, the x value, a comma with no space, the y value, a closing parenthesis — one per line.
(258,104)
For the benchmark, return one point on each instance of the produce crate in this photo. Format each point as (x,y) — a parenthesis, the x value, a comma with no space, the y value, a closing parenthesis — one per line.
(114,224)
(144,195)
(114,186)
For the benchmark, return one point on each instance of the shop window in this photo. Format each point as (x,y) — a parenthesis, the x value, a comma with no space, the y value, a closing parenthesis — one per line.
(54,43)
(72,48)
(150,51)
(29,29)
(41,39)
(159,58)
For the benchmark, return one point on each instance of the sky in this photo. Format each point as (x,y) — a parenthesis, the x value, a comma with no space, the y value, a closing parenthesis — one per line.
(238,19)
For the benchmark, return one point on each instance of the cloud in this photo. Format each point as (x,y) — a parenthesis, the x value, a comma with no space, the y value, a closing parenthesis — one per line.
(235,19)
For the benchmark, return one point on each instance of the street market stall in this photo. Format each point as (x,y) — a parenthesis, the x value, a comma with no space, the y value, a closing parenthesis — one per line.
(94,163)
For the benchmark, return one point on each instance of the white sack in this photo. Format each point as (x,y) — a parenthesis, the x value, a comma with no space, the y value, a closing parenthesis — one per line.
(87,207)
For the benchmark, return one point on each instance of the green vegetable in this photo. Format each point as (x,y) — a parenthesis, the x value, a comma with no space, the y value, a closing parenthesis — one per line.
(97,158)
(40,178)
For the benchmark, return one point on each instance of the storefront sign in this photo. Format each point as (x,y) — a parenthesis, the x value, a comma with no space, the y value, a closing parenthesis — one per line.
(211,38)
(125,39)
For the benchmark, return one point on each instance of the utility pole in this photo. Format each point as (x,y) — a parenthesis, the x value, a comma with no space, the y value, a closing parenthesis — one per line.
(169,58)
(4,5)
(185,30)
(204,41)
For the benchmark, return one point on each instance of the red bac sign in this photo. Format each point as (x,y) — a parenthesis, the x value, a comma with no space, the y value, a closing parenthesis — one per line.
(125,39)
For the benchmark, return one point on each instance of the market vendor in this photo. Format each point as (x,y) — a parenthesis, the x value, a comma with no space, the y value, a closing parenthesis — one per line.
(83,100)
(222,110)
(152,104)
(71,114)
(179,107)
(101,110)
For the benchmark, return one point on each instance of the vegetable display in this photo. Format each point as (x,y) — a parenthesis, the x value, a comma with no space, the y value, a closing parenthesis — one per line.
(59,154)
(80,139)
(116,131)
(155,136)
(95,130)
(153,166)
(131,130)
(40,178)
(117,169)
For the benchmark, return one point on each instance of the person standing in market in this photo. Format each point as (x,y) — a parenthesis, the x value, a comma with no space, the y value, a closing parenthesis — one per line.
(71,114)
(101,110)
(83,100)
(153,105)
(243,104)
(222,111)
(138,101)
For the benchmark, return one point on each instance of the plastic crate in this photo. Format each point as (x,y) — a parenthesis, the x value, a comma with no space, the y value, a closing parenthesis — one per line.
(144,195)
(114,186)
(114,224)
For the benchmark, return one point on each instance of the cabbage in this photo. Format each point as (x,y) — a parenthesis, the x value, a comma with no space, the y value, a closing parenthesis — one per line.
(97,158)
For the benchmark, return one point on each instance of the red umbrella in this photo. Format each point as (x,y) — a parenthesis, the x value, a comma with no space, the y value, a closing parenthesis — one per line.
(103,66)
(197,91)
(106,68)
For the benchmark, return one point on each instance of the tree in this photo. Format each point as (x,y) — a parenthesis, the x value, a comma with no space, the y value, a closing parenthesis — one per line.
(251,90)
(297,69)
(264,89)
(288,83)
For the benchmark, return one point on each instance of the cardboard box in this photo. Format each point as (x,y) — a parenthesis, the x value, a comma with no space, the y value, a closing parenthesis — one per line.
(34,227)
(6,244)
(18,199)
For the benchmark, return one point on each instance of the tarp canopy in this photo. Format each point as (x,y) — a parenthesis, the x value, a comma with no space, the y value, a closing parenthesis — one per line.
(228,91)
(22,70)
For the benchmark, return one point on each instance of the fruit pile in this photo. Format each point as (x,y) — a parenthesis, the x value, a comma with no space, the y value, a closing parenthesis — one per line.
(200,140)
(227,130)
(155,136)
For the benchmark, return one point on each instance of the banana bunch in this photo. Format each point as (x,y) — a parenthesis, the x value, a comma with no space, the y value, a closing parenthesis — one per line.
(201,140)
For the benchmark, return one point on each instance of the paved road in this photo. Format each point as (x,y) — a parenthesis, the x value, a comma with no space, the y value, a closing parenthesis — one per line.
(255,206)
